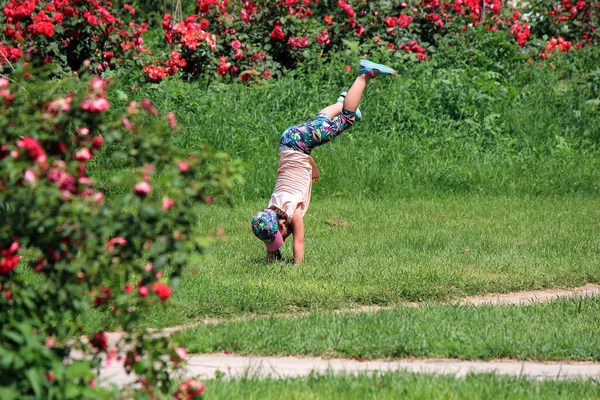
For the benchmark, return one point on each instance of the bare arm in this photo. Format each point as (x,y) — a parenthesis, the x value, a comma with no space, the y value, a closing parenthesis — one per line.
(315,171)
(298,232)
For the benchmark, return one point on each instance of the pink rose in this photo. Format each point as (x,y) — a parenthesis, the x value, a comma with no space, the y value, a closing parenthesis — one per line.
(95,105)
(172,120)
(142,188)
(83,155)
(30,176)
(167,203)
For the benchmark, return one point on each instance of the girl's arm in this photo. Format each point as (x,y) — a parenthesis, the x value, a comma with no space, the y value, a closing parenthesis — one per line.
(298,232)
(315,171)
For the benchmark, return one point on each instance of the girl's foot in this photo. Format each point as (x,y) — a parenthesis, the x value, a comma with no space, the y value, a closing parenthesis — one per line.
(340,99)
(373,69)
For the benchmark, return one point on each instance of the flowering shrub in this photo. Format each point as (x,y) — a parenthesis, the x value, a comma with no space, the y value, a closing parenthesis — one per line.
(67,32)
(65,249)
(254,40)
(258,39)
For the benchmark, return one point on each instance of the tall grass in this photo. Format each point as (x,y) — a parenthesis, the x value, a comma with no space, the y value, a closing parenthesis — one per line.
(453,125)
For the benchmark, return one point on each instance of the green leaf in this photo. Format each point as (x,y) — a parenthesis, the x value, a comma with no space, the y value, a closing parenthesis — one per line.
(8,393)
(79,369)
(35,378)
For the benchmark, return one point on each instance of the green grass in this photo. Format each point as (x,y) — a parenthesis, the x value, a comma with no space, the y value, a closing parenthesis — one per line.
(390,251)
(561,330)
(400,385)
(451,129)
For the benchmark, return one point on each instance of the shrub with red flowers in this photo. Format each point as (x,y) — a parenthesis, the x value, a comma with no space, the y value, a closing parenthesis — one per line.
(249,40)
(68,32)
(252,40)
(66,249)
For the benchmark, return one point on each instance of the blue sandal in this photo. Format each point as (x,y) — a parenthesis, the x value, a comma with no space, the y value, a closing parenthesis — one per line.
(368,67)
(340,99)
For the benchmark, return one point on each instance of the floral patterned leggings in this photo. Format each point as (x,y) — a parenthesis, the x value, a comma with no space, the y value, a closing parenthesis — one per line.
(322,129)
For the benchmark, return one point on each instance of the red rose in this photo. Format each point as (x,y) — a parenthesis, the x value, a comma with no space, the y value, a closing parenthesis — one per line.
(97,142)
(99,341)
(33,147)
(9,258)
(163,291)
(277,33)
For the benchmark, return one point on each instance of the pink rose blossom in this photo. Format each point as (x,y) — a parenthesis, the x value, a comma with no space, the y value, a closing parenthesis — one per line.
(143,291)
(98,85)
(190,390)
(172,120)
(127,124)
(183,166)
(167,203)
(182,355)
(95,105)
(83,131)
(118,240)
(142,188)
(147,105)
(59,106)
(30,176)
(112,355)
(83,155)
(236,44)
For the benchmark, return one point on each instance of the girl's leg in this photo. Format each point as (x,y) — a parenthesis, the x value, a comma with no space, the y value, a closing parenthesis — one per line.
(355,92)
(352,99)
(332,110)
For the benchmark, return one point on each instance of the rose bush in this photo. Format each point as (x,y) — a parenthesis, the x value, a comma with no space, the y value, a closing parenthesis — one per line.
(251,40)
(68,32)
(254,40)
(66,249)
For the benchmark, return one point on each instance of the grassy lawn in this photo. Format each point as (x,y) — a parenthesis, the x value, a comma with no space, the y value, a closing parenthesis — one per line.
(401,385)
(388,252)
(562,330)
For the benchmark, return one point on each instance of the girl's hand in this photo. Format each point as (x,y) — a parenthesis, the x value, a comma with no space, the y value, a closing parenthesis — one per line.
(316,175)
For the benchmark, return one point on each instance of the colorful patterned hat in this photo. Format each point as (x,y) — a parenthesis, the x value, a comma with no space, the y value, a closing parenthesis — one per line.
(264,227)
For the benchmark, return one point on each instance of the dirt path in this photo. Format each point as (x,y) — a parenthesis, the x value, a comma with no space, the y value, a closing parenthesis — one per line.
(513,298)
(205,366)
